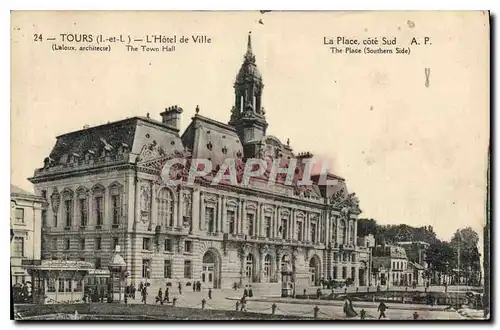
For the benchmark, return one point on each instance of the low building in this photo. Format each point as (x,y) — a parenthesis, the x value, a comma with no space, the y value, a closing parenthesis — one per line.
(390,266)
(26,213)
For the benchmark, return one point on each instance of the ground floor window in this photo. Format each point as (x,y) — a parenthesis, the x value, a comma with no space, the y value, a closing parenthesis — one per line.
(78,286)
(146,268)
(167,269)
(51,285)
(61,285)
(187,269)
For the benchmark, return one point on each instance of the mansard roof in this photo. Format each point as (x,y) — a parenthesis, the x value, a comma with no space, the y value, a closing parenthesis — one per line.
(113,143)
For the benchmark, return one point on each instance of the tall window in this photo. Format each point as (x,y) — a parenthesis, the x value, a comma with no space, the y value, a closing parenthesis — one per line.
(267,267)
(299,230)
(97,243)
(97,263)
(342,231)
(19,216)
(268,226)
(167,269)
(210,219)
(146,268)
(168,245)
(82,244)
(68,212)
(146,244)
(231,218)
(99,210)
(351,233)
(313,232)
(116,209)
(54,244)
(249,267)
(166,207)
(18,246)
(250,221)
(187,269)
(83,211)
(67,244)
(61,285)
(284,228)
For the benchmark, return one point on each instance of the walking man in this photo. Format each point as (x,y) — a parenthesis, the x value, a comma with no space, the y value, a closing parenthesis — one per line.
(381,308)
(180,288)
(160,296)
(144,294)
(209,293)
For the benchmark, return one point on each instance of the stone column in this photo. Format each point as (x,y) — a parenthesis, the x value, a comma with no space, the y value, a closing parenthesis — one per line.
(279,255)
(306,227)
(179,209)
(356,276)
(153,210)
(293,224)
(219,215)
(340,267)
(202,211)
(355,223)
(276,222)
(224,228)
(137,203)
(243,218)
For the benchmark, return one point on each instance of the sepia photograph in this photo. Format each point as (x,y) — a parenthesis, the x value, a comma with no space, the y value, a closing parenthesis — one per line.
(250,165)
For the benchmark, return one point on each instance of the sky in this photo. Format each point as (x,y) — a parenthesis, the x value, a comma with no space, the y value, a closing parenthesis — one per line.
(412,154)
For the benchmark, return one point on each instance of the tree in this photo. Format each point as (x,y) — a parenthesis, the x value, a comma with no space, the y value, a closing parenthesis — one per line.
(440,258)
(467,240)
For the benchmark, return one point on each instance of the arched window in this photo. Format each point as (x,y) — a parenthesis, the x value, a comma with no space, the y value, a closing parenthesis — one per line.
(342,231)
(249,267)
(267,268)
(166,207)
(351,233)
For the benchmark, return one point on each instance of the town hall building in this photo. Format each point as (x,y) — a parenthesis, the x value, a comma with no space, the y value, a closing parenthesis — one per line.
(104,189)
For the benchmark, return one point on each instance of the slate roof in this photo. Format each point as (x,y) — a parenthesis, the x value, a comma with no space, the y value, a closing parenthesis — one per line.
(18,191)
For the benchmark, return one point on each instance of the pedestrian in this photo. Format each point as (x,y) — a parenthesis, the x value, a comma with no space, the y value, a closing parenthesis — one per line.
(194,286)
(141,286)
(381,308)
(198,286)
(133,291)
(243,303)
(415,316)
(167,297)
(160,296)
(209,293)
(180,288)
(144,294)
(245,292)
(362,314)
(250,292)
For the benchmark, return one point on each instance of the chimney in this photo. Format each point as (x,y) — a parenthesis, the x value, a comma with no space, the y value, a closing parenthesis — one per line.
(172,116)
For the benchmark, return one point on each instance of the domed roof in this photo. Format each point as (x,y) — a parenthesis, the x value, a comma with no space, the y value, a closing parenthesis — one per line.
(117,261)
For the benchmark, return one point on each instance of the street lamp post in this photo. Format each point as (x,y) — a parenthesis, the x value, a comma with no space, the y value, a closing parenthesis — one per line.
(458,270)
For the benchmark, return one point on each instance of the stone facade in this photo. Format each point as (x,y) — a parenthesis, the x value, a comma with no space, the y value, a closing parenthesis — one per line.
(26,214)
(104,188)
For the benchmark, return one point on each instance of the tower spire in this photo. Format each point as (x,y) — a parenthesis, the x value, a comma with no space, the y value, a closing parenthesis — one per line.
(249,45)
(249,56)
